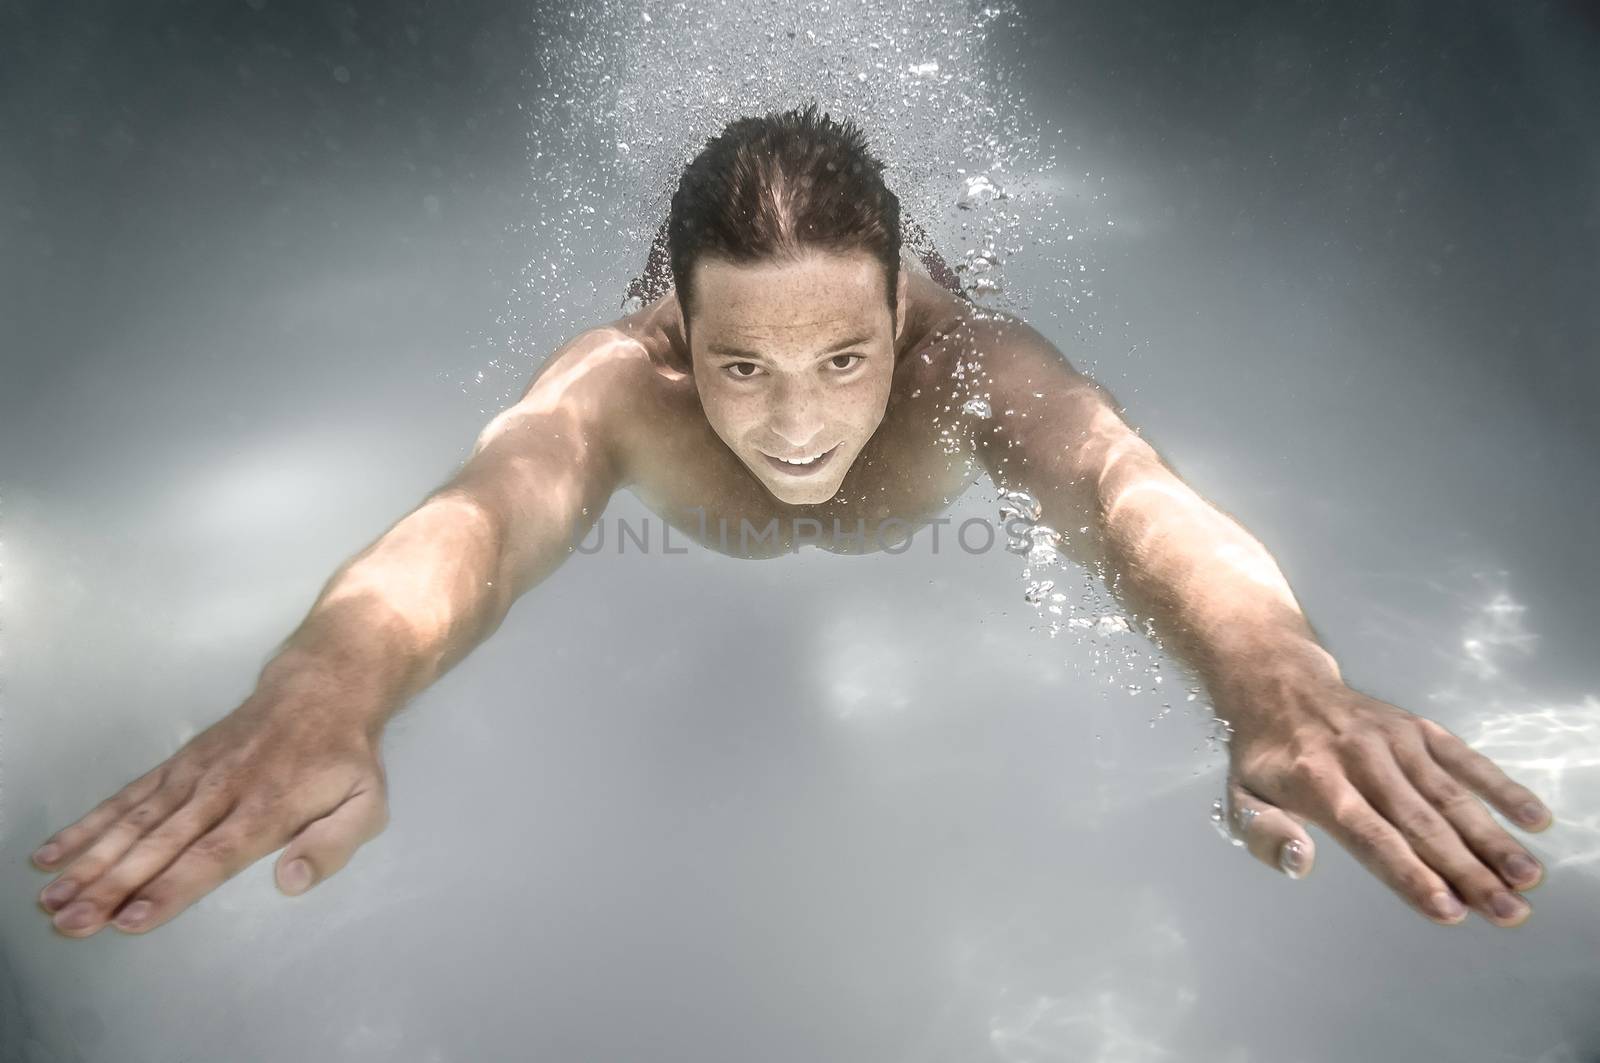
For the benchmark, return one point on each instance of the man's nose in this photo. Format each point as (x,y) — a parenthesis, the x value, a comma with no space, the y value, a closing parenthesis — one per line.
(796,415)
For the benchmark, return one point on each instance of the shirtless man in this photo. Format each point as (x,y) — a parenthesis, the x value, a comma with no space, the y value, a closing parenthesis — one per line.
(796,375)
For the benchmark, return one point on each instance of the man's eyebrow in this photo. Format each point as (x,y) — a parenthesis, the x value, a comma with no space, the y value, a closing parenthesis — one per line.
(728,351)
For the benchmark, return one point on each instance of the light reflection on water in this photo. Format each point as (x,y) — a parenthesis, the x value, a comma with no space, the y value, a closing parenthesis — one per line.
(1552,748)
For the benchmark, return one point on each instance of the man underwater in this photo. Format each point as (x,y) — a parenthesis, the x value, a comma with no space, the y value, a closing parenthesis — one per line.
(797,376)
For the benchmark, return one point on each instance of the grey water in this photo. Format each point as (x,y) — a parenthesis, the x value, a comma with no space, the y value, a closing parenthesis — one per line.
(267,267)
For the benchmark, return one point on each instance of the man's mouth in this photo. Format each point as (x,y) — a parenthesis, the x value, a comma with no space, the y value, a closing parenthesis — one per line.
(803,465)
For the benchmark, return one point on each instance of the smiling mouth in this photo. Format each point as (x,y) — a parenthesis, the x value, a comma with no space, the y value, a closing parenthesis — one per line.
(802,468)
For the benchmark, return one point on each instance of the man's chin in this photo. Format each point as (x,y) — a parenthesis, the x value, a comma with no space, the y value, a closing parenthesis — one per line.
(803,494)
(801,491)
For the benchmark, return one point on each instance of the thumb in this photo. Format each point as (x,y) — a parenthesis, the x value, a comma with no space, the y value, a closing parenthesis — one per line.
(325,845)
(1273,836)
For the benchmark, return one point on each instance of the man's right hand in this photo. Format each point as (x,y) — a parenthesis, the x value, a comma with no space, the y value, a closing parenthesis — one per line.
(286,768)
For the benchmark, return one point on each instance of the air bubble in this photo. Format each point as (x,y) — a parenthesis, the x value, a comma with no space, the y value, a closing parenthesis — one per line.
(977,191)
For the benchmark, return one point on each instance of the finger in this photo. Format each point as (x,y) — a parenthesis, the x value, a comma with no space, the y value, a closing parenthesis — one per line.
(1273,836)
(227,848)
(238,842)
(1515,801)
(1381,849)
(115,839)
(1434,838)
(68,842)
(326,844)
(1516,867)
(96,900)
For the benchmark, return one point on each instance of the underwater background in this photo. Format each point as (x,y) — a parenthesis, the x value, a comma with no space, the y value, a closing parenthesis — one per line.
(266,268)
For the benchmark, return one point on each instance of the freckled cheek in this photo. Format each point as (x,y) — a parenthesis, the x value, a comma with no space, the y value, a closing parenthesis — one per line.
(863,409)
(733,417)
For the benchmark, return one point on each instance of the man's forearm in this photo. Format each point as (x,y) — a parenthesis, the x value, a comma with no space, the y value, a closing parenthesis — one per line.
(399,614)
(1216,596)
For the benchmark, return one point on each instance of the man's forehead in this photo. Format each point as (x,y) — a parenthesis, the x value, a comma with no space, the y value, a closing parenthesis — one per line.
(801,327)
(832,276)
(808,322)
(807,301)
(806,266)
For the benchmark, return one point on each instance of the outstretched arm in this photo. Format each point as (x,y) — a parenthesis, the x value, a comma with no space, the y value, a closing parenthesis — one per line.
(413,604)
(1394,789)
(296,765)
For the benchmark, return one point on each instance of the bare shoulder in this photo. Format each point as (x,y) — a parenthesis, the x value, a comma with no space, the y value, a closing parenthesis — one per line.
(1017,359)
(600,360)
(1029,377)
(998,356)
(604,379)
(575,404)
(1042,404)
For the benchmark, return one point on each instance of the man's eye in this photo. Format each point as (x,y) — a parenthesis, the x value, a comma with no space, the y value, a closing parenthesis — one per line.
(743,369)
(847,364)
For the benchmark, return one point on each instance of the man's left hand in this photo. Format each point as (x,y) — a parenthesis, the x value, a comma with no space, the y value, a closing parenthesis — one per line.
(1398,791)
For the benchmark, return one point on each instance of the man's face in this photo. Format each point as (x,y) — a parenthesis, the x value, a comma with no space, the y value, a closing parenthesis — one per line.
(793,359)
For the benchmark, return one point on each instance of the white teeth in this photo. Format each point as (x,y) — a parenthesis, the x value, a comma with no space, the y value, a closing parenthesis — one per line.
(801,461)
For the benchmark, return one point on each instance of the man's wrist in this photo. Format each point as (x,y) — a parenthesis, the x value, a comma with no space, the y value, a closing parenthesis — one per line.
(357,690)
(1252,670)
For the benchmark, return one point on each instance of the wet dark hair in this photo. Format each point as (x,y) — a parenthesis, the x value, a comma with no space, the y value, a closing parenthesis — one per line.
(778,185)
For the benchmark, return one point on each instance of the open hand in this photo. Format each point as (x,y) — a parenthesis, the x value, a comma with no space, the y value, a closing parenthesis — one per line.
(1398,791)
(282,769)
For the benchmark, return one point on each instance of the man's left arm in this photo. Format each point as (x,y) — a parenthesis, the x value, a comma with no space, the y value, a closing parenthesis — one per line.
(1394,789)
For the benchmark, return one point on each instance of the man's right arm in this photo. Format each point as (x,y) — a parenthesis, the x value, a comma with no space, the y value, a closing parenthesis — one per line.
(296,765)
(401,613)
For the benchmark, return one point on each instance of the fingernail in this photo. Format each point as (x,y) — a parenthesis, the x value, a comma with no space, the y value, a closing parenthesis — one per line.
(47,853)
(134,914)
(1530,815)
(297,876)
(75,916)
(1445,906)
(1292,858)
(1520,868)
(59,893)
(1507,905)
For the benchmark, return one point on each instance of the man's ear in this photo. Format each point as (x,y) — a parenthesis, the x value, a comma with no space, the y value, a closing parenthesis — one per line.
(902,285)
